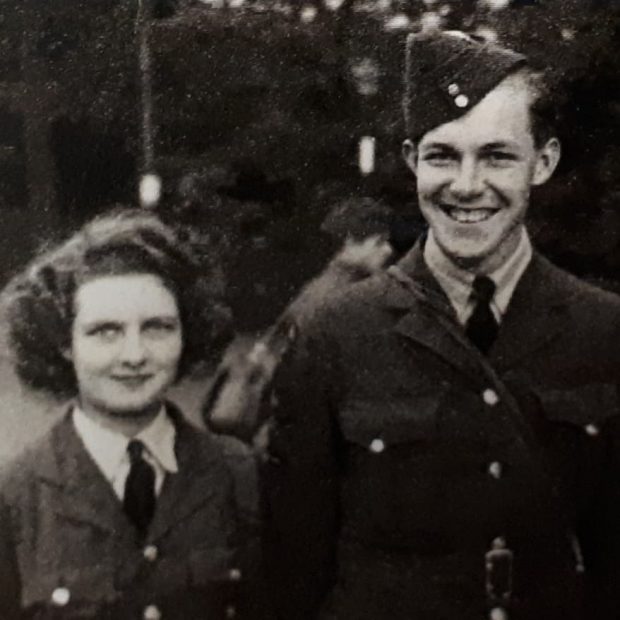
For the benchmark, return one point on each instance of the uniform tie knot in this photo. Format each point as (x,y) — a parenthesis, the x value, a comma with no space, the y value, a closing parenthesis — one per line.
(483,289)
(135,448)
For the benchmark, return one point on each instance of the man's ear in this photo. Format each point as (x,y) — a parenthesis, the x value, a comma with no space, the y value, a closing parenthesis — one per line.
(547,161)
(410,154)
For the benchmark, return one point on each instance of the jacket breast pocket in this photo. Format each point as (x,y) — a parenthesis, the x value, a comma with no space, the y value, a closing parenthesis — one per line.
(389,466)
(585,408)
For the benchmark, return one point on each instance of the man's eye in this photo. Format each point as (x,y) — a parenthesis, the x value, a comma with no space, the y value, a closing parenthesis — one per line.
(439,157)
(499,157)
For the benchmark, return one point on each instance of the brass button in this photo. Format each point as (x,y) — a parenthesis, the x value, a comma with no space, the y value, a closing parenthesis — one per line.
(490,397)
(150,553)
(61,597)
(498,613)
(495,469)
(592,430)
(454,89)
(151,612)
(231,612)
(234,574)
(461,101)
(377,446)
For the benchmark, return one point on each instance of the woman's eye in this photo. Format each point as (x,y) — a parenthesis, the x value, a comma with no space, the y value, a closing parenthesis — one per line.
(160,328)
(104,332)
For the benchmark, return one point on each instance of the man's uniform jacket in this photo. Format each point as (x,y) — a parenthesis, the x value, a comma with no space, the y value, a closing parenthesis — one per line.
(413,478)
(68,551)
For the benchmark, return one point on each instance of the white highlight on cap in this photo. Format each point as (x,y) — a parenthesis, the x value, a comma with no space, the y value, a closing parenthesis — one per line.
(334,5)
(308,14)
(150,190)
(400,21)
(366,156)
(495,5)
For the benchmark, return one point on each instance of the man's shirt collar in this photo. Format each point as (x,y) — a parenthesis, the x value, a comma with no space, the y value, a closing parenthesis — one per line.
(457,282)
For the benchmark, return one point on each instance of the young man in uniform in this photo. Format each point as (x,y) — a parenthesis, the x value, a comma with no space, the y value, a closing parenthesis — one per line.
(443,439)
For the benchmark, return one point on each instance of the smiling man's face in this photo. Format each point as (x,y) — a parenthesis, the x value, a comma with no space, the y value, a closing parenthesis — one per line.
(474,176)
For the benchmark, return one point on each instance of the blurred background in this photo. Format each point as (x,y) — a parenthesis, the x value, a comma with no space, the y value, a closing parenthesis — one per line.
(262,118)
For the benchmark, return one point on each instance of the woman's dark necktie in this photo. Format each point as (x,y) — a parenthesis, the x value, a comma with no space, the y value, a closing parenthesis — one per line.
(139,498)
(481,327)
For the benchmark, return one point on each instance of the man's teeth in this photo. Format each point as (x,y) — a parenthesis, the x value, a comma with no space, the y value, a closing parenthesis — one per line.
(470,216)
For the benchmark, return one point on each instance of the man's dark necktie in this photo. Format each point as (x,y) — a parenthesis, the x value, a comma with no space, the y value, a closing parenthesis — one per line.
(139,499)
(481,327)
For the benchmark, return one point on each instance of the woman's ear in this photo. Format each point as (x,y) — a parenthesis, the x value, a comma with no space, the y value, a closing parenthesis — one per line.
(410,155)
(67,353)
(547,161)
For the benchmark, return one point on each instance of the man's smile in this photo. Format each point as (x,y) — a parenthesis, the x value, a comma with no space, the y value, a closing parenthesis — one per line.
(467,215)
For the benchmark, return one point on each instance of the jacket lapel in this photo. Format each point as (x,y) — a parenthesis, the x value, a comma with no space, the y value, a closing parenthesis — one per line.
(537,313)
(427,317)
(192,487)
(81,491)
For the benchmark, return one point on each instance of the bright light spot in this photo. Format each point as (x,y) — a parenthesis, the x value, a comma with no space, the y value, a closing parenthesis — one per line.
(430,21)
(430,2)
(367,154)
(235,4)
(308,14)
(495,5)
(488,34)
(568,34)
(384,5)
(445,10)
(333,5)
(150,190)
(214,4)
(398,22)
(366,75)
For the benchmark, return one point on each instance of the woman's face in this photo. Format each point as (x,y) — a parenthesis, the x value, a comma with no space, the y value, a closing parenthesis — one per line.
(125,345)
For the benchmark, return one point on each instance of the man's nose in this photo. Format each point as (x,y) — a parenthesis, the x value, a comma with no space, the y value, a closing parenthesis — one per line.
(133,351)
(468,182)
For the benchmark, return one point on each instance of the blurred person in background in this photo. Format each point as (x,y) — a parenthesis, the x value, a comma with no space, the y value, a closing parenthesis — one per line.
(123,510)
(444,439)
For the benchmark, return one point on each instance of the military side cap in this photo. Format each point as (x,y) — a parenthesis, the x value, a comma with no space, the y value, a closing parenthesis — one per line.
(448,73)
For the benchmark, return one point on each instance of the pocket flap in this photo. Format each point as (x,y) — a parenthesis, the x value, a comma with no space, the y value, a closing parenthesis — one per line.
(392,421)
(584,405)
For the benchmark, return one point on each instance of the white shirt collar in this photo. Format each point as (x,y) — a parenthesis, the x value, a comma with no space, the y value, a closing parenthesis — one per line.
(457,282)
(109,449)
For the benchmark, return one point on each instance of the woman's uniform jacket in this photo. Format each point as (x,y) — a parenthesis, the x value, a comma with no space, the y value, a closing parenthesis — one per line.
(412,478)
(68,551)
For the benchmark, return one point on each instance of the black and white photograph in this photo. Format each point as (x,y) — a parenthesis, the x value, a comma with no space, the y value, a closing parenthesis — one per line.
(309,310)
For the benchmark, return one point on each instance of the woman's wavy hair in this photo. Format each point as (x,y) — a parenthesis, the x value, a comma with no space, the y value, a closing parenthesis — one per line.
(39,302)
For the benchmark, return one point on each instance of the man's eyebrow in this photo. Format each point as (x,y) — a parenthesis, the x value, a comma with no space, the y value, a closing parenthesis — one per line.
(438,145)
(491,146)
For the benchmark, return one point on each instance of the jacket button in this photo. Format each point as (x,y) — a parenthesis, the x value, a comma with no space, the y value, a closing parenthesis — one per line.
(61,597)
(150,553)
(490,397)
(231,612)
(377,446)
(498,613)
(234,574)
(151,612)
(495,469)
(454,89)
(461,101)
(592,430)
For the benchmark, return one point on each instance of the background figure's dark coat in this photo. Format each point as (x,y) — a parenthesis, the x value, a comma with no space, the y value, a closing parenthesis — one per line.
(63,527)
(400,453)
